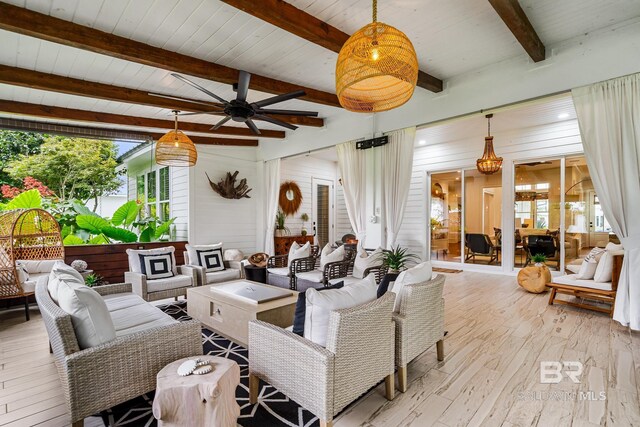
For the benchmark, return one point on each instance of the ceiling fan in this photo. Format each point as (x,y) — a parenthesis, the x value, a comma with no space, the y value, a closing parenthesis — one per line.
(240,110)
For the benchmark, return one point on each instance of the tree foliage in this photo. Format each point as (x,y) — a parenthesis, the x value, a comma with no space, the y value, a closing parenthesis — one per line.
(74,168)
(14,144)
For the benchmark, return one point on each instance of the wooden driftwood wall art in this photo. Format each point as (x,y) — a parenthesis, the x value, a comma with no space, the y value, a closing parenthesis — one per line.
(227,187)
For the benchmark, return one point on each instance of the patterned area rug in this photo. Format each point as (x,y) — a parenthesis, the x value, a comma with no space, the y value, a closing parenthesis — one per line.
(272,409)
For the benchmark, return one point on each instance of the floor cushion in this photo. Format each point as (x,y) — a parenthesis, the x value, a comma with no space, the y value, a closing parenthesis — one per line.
(175,282)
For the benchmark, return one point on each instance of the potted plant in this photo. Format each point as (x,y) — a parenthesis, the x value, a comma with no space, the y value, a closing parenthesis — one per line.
(281,230)
(539,260)
(396,259)
(304,217)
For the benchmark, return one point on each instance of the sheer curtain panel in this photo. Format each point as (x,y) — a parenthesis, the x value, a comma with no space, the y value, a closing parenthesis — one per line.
(352,165)
(272,189)
(397,166)
(609,119)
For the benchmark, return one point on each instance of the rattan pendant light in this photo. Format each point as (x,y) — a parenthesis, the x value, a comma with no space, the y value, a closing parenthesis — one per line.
(175,148)
(377,68)
(489,163)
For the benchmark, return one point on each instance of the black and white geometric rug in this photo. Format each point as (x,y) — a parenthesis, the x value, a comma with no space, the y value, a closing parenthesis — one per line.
(273,408)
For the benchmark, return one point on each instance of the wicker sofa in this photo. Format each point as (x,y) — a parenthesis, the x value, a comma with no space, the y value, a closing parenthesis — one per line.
(97,378)
(419,324)
(358,355)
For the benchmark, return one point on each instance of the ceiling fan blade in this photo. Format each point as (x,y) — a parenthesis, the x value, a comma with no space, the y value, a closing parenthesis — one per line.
(214,113)
(253,127)
(275,121)
(192,101)
(197,86)
(279,98)
(220,123)
(243,85)
(288,112)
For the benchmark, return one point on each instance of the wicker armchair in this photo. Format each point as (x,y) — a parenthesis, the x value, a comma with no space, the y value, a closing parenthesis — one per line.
(330,273)
(100,377)
(419,324)
(283,275)
(359,354)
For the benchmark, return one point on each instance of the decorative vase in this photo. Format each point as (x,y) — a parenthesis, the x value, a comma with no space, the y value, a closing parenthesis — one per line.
(303,232)
(279,232)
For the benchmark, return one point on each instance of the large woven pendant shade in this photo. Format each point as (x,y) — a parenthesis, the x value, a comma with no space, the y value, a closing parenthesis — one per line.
(175,148)
(377,68)
(489,163)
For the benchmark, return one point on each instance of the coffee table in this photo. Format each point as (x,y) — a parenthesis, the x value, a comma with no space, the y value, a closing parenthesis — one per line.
(229,315)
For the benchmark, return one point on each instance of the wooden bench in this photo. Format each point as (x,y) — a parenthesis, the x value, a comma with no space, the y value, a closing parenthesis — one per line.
(607,296)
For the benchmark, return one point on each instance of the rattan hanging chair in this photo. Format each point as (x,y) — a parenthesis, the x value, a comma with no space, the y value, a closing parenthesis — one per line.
(26,234)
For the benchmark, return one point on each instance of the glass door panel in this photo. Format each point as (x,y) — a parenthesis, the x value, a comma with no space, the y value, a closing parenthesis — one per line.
(483,217)
(446,216)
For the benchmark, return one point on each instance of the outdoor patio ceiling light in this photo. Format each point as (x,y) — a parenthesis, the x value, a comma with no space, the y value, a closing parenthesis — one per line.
(175,148)
(489,163)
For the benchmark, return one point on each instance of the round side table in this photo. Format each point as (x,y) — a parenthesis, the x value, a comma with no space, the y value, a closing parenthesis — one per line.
(255,274)
(198,400)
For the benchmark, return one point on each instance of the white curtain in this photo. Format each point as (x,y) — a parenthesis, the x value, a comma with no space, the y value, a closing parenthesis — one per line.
(397,165)
(609,119)
(271,181)
(352,165)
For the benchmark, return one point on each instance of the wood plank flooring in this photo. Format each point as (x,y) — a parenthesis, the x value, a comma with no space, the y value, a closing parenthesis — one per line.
(498,335)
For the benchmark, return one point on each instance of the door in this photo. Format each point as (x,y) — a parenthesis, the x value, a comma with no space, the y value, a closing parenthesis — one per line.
(322,210)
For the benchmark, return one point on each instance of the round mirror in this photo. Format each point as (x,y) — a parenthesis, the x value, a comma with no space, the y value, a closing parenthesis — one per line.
(289,194)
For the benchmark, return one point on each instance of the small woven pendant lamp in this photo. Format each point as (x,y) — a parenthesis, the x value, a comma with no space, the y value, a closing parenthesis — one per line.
(175,148)
(489,163)
(377,68)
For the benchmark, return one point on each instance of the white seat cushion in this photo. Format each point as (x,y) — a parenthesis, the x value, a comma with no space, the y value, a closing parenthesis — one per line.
(312,276)
(175,282)
(570,279)
(222,276)
(89,314)
(347,281)
(29,286)
(39,266)
(131,314)
(364,261)
(321,304)
(574,266)
(419,274)
(280,271)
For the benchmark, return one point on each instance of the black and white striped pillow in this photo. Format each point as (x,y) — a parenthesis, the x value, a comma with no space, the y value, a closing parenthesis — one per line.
(157,266)
(210,259)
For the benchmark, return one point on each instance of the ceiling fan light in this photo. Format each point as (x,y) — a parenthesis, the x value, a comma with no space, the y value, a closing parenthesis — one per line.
(377,69)
(176,149)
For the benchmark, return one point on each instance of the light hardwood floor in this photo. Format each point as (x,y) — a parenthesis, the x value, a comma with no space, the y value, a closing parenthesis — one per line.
(498,335)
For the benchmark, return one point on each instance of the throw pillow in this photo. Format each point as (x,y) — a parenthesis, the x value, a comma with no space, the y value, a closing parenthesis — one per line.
(89,313)
(134,257)
(327,255)
(420,273)
(296,252)
(594,255)
(157,266)
(301,308)
(364,261)
(587,269)
(321,304)
(388,280)
(23,274)
(62,272)
(210,259)
(193,255)
(233,255)
(604,270)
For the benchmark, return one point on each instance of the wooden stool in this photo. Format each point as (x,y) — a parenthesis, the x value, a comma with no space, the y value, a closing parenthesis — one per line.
(534,279)
(198,400)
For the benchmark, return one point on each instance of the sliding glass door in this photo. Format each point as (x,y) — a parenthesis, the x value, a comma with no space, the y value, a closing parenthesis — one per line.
(446,216)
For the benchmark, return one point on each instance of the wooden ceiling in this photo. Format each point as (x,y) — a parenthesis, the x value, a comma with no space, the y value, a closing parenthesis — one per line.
(97,61)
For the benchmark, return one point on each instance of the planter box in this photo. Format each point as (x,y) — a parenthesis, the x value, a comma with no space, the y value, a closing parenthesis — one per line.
(110,261)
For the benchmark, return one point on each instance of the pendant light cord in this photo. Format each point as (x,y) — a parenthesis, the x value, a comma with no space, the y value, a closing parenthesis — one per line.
(375,10)
(175,112)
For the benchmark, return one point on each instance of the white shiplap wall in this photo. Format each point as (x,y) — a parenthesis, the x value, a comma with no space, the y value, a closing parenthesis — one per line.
(216,219)
(302,170)
(546,141)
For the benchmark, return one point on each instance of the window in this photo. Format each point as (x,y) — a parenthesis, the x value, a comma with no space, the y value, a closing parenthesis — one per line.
(153,190)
